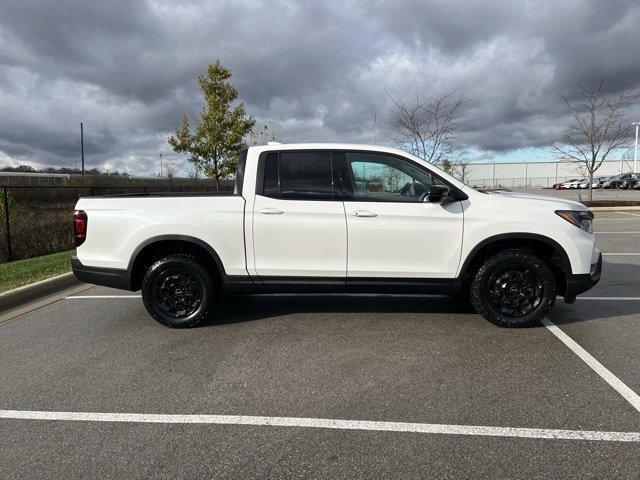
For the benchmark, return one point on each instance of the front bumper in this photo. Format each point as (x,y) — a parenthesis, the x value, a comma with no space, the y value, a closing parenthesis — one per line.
(577,284)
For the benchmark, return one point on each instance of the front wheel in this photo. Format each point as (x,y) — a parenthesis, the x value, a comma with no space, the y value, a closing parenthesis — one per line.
(178,291)
(513,288)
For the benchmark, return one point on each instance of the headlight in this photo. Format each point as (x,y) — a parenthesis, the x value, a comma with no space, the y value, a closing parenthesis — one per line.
(582,219)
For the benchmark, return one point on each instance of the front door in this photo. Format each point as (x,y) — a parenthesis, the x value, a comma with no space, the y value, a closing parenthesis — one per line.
(392,231)
(299,226)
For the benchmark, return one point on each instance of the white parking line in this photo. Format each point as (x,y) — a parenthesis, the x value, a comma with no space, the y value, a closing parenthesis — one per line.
(609,298)
(79,297)
(617,384)
(632,214)
(403,427)
(618,254)
(607,219)
(613,232)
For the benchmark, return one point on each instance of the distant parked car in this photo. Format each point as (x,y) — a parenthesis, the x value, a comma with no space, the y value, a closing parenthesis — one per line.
(583,183)
(570,183)
(597,182)
(616,180)
(557,186)
(630,182)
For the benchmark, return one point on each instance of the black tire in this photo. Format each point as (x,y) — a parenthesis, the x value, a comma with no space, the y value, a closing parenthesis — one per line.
(513,288)
(178,291)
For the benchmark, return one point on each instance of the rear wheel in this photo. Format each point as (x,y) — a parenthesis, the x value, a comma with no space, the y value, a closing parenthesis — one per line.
(178,291)
(513,288)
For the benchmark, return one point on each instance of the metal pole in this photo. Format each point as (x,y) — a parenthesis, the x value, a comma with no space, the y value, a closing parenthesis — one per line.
(494,175)
(82,148)
(635,152)
(5,200)
(161,166)
(375,128)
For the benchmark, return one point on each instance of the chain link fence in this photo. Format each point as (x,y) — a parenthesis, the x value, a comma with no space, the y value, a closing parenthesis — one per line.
(39,220)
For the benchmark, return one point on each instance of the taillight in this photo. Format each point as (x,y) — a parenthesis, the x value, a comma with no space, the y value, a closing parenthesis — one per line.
(80,226)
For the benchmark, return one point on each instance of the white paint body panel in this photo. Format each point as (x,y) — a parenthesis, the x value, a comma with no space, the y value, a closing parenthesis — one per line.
(308,239)
(317,238)
(416,240)
(117,226)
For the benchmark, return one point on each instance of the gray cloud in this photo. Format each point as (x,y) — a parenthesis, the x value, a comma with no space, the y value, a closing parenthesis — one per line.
(316,70)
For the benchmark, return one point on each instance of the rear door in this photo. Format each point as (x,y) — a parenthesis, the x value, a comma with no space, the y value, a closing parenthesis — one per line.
(299,226)
(392,232)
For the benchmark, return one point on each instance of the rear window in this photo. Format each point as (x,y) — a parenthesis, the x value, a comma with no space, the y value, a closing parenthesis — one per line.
(242,161)
(298,175)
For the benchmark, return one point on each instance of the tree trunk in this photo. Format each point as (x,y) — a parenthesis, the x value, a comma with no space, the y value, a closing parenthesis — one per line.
(217,180)
(590,185)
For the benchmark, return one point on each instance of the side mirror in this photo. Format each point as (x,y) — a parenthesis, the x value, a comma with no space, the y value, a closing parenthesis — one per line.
(437,194)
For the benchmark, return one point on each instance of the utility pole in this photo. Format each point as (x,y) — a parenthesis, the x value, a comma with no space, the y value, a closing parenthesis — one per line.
(161,175)
(375,128)
(635,152)
(82,148)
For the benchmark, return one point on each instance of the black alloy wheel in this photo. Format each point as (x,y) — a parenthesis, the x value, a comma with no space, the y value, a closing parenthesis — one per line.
(513,288)
(178,291)
(515,291)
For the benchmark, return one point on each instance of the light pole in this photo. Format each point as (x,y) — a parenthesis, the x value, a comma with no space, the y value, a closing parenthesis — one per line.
(82,146)
(161,175)
(635,152)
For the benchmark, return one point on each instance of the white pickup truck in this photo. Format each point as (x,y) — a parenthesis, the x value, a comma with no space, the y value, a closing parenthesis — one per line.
(338,218)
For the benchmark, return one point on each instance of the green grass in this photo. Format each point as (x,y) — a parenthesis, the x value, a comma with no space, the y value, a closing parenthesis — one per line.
(22,272)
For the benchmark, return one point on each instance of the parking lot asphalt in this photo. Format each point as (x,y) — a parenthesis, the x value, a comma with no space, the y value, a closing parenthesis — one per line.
(420,360)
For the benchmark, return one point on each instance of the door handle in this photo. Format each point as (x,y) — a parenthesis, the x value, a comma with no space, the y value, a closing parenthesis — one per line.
(363,214)
(271,211)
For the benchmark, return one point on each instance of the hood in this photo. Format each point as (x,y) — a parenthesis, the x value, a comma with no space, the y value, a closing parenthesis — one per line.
(552,202)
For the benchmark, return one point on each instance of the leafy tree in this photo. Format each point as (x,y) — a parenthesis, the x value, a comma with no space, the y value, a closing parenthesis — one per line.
(219,134)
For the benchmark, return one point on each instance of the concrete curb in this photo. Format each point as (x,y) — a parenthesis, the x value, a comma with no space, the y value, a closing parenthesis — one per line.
(43,287)
(612,209)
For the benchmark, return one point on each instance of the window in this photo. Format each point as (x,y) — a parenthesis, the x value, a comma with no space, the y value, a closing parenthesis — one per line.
(271,176)
(384,178)
(242,160)
(298,175)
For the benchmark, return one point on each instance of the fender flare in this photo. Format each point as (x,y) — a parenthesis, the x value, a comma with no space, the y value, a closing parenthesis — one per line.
(512,236)
(181,238)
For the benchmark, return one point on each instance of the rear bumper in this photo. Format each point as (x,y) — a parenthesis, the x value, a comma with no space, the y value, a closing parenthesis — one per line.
(577,284)
(108,277)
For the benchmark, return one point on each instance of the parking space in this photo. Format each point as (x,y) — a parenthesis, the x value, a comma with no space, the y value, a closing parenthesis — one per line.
(423,361)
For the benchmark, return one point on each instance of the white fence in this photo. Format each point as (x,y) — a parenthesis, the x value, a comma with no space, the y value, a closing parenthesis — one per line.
(534,174)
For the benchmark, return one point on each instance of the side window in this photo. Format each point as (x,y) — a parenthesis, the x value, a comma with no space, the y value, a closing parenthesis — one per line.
(378,177)
(242,160)
(298,175)
(271,176)
(306,175)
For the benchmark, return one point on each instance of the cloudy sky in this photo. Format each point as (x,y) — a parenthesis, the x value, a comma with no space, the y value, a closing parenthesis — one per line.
(318,70)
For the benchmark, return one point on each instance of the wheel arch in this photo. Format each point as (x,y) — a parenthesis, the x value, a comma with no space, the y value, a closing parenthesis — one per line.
(156,246)
(542,245)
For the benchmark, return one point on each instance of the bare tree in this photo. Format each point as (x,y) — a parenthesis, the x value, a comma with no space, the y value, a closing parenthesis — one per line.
(170,172)
(599,125)
(427,127)
(457,166)
(193,172)
(392,178)
(461,169)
